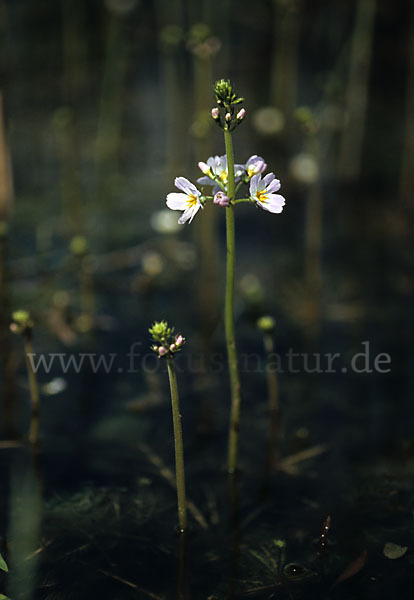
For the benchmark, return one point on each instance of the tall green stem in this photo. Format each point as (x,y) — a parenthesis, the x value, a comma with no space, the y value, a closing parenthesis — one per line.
(178,444)
(229,312)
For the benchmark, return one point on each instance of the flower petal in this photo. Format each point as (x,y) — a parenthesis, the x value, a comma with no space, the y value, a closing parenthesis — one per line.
(189,214)
(274,203)
(177,201)
(254,182)
(186,186)
(185,216)
(205,180)
(273,186)
(213,161)
(268,178)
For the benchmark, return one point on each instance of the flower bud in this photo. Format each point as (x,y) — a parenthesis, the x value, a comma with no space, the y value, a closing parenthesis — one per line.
(172,348)
(162,351)
(266,324)
(228,117)
(241,114)
(215,113)
(179,340)
(79,245)
(204,168)
(221,199)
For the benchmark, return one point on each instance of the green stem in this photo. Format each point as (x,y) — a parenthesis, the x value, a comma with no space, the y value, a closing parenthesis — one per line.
(241,200)
(229,313)
(34,393)
(178,443)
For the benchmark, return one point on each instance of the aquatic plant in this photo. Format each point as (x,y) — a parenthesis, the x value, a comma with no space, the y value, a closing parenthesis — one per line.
(226,178)
(80,250)
(3,567)
(22,324)
(166,344)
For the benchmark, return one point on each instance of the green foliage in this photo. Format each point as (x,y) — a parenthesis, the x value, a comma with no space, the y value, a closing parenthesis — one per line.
(3,566)
(394,551)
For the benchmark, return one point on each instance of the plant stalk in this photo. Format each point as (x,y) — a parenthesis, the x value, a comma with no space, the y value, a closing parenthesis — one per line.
(178,445)
(229,312)
(34,392)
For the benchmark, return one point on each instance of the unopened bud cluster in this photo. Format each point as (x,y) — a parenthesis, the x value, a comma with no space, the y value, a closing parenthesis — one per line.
(79,245)
(266,324)
(226,115)
(166,341)
(21,322)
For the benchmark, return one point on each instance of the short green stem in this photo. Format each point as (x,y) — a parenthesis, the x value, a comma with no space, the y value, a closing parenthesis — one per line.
(242,200)
(229,313)
(178,444)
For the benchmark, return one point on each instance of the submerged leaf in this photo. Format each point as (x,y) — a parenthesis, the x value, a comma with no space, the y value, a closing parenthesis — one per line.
(3,566)
(353,568)
(394,551)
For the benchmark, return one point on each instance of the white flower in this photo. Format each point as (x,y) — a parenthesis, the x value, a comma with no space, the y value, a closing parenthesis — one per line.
(189,201)
(262,192)
(215,169)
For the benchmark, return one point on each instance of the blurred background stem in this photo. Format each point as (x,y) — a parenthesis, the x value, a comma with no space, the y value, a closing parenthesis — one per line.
(356,101)
(34,390)
(6,348)
(272,458)
(285,59)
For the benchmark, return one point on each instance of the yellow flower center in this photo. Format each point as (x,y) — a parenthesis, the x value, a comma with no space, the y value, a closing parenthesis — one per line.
(191,200)
(251,170)
(223,176)
(262,196)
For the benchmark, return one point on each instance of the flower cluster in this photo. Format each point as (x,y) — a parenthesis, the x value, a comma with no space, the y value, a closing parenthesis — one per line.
(166,342)
(262,191)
